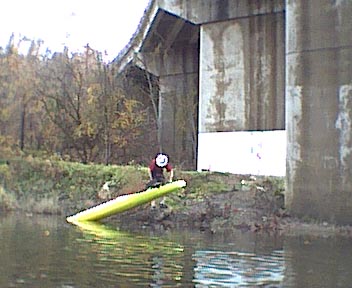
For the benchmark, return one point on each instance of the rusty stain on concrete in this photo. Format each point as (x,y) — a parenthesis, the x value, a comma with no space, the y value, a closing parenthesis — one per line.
(222,80)
(251,53)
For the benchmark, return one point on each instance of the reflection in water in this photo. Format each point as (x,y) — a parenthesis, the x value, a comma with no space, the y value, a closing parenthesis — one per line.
(48,252)
(234,269)
(132,259)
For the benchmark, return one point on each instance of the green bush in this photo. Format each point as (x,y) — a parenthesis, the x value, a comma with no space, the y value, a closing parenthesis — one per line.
(7,200)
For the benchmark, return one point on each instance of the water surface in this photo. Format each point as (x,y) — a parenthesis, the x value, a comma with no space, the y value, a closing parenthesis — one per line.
(43,251)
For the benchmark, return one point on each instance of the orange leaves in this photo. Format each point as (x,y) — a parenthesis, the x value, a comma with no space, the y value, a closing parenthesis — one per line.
(87,129)
(74,105)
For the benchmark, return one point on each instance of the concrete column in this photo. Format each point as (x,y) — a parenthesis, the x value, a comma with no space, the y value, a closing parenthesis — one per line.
(178,126)
(319,109)
(178,83)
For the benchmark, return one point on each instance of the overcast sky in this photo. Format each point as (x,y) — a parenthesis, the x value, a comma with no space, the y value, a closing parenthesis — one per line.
(107,25)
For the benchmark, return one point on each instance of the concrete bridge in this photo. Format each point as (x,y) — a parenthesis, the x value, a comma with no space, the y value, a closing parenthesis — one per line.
(258,65)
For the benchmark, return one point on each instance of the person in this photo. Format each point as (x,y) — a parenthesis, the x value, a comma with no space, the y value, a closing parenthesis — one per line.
(156,174)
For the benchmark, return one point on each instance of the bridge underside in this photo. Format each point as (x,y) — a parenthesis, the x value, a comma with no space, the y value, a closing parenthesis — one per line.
(170,51)
(259,66)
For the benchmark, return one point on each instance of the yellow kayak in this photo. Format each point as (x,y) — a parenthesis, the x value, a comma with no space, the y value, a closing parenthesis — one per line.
(125,202)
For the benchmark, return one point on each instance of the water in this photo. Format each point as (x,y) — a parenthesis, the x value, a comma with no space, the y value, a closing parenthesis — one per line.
(39,251)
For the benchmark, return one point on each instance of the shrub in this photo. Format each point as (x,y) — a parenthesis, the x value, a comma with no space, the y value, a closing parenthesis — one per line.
(7,201)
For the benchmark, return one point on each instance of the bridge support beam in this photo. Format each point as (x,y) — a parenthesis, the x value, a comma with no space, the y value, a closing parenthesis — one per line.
(171,52)
(319,109)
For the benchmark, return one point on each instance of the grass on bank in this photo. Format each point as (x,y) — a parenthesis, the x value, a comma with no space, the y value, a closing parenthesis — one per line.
(54,186)
(37,185)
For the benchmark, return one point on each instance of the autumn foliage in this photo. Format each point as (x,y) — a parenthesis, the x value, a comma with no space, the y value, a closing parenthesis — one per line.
(73,105)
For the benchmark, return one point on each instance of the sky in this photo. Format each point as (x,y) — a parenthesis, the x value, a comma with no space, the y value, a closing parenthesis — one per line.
(107,25)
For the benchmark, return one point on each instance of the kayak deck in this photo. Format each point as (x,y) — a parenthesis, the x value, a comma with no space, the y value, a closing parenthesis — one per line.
(125,202)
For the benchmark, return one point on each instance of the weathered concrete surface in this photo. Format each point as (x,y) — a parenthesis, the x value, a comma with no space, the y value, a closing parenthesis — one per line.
(235,51)
(240,77)
(319,109)
(242,62)
(242,82)
(171,51)
(210,11)
(168,47)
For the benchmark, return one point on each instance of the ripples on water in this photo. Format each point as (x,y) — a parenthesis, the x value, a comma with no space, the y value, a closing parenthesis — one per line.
(234,269)
(47,252)
(131,260)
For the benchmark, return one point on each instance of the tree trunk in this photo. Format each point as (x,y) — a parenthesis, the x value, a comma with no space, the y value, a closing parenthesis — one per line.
(22,126)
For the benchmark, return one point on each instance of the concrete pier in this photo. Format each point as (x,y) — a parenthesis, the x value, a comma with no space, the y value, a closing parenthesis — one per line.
(257,65)
(319,109)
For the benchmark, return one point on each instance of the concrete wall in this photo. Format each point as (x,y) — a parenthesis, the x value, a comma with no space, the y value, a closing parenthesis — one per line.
(262,65)
(178,111)
(242,62)
(319,109)
(211,11)
(244,153)
(242,74)
(239,83)
(171,51)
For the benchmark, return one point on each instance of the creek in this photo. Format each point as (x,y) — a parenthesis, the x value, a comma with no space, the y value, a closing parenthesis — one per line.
(45,251)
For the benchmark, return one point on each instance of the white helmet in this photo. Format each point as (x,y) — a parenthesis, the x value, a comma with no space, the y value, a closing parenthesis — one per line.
(161,160)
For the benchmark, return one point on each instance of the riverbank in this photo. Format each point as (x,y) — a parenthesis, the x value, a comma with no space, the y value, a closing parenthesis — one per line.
(211,201)
(248,204)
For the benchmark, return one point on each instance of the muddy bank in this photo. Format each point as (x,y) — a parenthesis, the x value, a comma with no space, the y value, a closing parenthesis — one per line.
(211,202)
(252,205)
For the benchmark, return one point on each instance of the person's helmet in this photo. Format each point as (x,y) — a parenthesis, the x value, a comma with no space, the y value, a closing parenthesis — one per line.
(161,160)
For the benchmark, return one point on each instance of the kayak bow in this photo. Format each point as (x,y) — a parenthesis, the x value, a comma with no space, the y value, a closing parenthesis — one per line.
(125,202)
